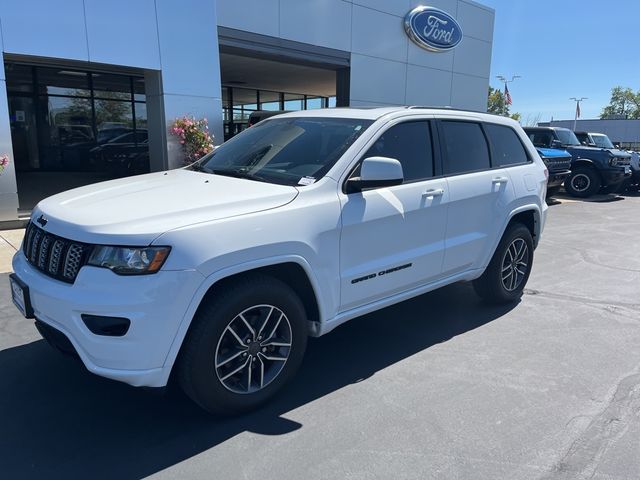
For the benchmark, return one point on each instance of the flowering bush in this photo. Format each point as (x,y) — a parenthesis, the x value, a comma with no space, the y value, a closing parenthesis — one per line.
(194,137)
(4,162)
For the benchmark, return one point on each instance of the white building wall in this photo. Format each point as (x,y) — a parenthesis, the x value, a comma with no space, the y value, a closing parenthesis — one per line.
(174,43)
(386,67)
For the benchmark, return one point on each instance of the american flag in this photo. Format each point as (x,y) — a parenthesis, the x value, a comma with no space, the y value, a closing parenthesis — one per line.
(507,95)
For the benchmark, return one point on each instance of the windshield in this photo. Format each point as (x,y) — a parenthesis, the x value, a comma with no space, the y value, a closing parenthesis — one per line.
(287,151)
(602,141)
(567,137)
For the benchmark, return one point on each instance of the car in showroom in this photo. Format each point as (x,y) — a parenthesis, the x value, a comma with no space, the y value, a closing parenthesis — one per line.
(213,276)
(593,169)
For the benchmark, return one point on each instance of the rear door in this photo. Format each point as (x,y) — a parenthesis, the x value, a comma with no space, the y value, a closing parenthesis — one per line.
(479,194)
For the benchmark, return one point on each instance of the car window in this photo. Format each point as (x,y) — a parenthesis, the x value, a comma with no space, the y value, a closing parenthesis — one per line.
(466,147)
(286,151)
(540,139)
(506,147)
(410,144)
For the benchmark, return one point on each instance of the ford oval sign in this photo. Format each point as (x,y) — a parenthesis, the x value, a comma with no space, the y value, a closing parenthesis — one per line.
(432,29)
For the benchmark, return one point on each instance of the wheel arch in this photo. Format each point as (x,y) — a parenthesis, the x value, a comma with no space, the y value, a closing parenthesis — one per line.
(293,270)
(584,163)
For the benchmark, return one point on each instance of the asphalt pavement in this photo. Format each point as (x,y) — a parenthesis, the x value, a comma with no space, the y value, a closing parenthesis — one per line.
(441,386)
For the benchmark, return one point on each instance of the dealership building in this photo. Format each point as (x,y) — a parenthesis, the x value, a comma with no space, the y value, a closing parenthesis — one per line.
(89,88)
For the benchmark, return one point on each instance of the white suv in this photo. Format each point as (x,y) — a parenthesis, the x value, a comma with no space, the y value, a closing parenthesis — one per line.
(215,274)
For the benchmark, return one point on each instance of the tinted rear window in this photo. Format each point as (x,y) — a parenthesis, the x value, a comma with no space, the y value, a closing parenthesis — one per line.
(506,147)
(466,147)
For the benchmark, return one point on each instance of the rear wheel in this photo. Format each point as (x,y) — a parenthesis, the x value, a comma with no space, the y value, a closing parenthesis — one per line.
(246,341)
(508,271)
(583,182)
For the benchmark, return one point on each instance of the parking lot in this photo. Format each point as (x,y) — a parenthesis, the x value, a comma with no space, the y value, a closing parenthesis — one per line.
(441,386)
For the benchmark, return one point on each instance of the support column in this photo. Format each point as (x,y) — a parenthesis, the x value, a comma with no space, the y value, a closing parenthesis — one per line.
(8,186)
(189,82)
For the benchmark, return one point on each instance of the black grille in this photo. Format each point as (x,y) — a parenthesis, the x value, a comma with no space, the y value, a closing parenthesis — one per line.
(556,165)
(54,256)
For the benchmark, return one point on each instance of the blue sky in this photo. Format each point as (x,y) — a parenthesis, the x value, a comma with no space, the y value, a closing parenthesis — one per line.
(563,49)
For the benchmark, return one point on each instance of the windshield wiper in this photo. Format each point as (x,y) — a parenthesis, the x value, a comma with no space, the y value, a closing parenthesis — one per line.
(238,174)
(197,167)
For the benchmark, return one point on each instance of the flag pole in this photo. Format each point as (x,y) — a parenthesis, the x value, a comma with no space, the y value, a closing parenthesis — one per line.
(507,95)
(575,119)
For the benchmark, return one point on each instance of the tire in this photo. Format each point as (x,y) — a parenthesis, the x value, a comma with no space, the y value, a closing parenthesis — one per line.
(583,182)
(220,341)
(494,286)
(552,191)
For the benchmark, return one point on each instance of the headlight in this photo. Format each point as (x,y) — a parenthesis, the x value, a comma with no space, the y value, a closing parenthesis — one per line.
(613,161)
(129,260)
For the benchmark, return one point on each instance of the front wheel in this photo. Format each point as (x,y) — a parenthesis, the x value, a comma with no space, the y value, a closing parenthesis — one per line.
(508,271)
(582,182)
(245,343)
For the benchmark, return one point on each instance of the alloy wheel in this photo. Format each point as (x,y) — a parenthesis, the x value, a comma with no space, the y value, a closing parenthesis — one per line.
(515,264)
(253,349)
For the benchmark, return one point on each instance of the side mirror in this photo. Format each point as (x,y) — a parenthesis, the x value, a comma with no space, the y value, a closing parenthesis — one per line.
(376,172)
(556,144)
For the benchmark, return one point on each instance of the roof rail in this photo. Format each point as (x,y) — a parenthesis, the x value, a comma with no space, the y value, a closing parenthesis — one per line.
(448,107)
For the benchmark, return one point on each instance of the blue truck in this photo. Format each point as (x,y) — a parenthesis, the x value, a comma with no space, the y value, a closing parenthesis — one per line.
(558,164)
(593,169)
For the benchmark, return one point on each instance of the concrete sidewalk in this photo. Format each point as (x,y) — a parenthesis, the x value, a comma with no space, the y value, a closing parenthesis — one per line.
(10,241)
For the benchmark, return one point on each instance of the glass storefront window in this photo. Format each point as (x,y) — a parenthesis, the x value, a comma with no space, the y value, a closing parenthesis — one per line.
(269,100)
(110,114)
(293,102)
(139,92)
(62,81)
(113,87)
(141,115)
(74,115)
(314,103)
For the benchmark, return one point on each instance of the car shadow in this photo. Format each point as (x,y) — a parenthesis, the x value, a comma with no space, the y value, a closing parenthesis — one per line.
(59,421)
(597,198)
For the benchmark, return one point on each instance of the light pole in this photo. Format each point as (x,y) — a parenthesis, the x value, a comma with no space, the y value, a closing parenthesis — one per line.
(575,119)
(504,80)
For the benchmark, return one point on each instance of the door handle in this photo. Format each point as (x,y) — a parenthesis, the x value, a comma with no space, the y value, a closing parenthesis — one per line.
(434,192)
(500,180)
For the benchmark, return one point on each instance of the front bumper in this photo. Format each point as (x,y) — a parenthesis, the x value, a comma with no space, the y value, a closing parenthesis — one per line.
(613,177)
(155,304)
(557,178)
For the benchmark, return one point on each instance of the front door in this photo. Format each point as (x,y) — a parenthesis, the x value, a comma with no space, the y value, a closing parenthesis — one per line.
(393,238)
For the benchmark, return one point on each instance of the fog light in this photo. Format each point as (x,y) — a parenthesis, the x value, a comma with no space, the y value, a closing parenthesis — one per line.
(106,326)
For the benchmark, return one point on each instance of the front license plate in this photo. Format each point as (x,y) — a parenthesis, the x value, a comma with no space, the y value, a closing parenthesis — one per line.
(20,296)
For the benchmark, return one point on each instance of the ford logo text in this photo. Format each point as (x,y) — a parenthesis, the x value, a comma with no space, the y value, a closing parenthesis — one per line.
(432,29)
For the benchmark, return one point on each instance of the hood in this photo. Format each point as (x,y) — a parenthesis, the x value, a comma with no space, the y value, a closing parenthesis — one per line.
(553,153)
(587,150)
(135,210)
(619,153)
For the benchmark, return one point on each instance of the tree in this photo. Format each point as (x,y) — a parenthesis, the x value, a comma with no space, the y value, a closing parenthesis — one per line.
(497,104)
(624,103)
